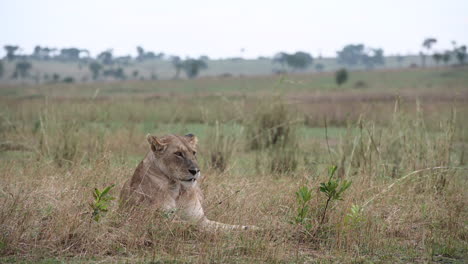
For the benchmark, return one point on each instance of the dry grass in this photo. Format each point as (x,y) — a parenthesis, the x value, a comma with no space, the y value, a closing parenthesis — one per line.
(71,147)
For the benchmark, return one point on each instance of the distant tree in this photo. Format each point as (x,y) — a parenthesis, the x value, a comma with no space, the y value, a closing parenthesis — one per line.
(177,63)
(399,60)
(147,55)
(427,44)
(2,69)
(10,51)
(55,77)
(299,60)
(106,57)
(356,54)
(351,55)
(319,67)
(22,69)
(437,57)
(204,58)
(372,57)
(117,73)
(280,58)
(42,53)
(378,56)
(70,54)
(68,79)
(446,57)
(140,53)
(460,54)
(120,74)
(160,55)
(341,76)
(135,74)
(192,67)
(37,52)
(95,69)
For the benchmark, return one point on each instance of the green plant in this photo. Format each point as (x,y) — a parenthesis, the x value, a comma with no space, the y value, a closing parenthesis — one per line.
(68,79)
(333,190)
(303,197)
(101,202)
(341,76)
(354,217)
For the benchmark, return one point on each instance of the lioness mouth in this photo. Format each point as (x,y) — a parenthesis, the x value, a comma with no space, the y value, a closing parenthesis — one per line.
(190,180)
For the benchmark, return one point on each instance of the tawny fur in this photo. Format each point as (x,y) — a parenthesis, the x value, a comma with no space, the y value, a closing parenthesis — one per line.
(168,179)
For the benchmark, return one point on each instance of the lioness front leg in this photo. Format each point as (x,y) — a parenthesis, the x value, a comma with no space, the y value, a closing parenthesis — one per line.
(193,212)
(213,225)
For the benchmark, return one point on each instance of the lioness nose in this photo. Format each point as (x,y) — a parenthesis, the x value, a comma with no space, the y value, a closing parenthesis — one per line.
(194,171)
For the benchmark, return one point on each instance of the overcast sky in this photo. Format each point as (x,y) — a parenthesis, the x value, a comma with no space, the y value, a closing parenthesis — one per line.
(223,28)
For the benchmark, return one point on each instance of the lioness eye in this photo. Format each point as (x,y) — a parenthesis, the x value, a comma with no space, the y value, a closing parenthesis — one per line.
(194,153)
(178,153)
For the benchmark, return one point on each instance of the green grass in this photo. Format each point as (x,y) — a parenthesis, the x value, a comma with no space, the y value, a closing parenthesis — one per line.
(164,69)
(426,80)
(78,143)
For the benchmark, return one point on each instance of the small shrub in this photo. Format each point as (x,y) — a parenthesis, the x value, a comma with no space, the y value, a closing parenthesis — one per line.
(68,79)
(341,76)
(101,202)
(354,218)
(360,84)
(333,190)
(303,197)
(55,77)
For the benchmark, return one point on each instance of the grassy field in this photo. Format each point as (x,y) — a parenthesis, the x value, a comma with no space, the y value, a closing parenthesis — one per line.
(400,137)
(164,70)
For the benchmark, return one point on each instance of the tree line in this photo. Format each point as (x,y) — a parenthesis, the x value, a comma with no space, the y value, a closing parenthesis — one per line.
(106,65)
(457,52)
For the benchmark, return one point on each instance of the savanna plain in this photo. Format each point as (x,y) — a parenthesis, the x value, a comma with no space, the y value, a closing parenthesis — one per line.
(373,171)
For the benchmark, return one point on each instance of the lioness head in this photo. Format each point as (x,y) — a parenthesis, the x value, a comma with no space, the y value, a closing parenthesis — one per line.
(175,156)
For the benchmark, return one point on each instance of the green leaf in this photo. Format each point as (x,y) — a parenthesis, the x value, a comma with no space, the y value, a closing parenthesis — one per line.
(97,193)
(107,189)
(332,170)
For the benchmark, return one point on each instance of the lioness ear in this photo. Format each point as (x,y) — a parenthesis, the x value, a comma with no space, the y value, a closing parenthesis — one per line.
(155,143)
(192,139)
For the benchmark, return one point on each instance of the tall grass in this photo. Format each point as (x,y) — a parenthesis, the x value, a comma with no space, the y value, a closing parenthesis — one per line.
(407,202)
(221,145)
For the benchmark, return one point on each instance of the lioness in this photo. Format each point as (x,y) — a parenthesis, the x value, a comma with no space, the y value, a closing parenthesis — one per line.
(167,179)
